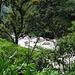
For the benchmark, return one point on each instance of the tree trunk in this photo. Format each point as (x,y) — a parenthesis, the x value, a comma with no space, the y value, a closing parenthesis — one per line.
(0,5)
(16,39)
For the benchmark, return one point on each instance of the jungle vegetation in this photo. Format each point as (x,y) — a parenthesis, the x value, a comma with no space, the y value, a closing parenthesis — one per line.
(53,19)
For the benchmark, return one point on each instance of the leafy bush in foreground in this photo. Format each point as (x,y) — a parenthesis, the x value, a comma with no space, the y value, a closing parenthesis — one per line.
(13,60)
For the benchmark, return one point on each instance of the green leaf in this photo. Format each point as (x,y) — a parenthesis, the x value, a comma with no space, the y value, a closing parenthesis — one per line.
(6,64)
(2,51)
(28,71)
(1,65)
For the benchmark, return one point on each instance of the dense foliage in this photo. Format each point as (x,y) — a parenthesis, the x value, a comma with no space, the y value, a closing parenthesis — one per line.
(53,19)
(13,61)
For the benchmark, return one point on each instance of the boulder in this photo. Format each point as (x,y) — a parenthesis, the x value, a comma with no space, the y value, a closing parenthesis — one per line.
(46,43)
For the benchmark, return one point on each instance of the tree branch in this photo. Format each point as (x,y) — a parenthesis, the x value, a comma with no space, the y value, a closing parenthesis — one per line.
(7,34)
(35,46)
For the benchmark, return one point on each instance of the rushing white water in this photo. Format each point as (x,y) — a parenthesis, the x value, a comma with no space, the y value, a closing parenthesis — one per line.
(50,44)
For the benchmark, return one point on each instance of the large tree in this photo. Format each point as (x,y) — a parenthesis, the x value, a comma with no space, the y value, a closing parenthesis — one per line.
(16,18)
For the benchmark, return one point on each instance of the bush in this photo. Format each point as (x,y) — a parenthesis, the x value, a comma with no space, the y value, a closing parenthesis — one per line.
(47,71)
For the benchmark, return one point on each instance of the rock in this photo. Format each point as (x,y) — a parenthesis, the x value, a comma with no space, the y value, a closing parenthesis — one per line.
(41,40)
(46,43)
(26,42)
(47,39)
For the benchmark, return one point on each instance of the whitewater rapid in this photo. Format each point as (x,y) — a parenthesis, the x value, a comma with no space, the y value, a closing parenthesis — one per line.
(26,42)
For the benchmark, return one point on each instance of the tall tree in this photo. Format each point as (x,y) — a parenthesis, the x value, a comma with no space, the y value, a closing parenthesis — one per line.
(16,17)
